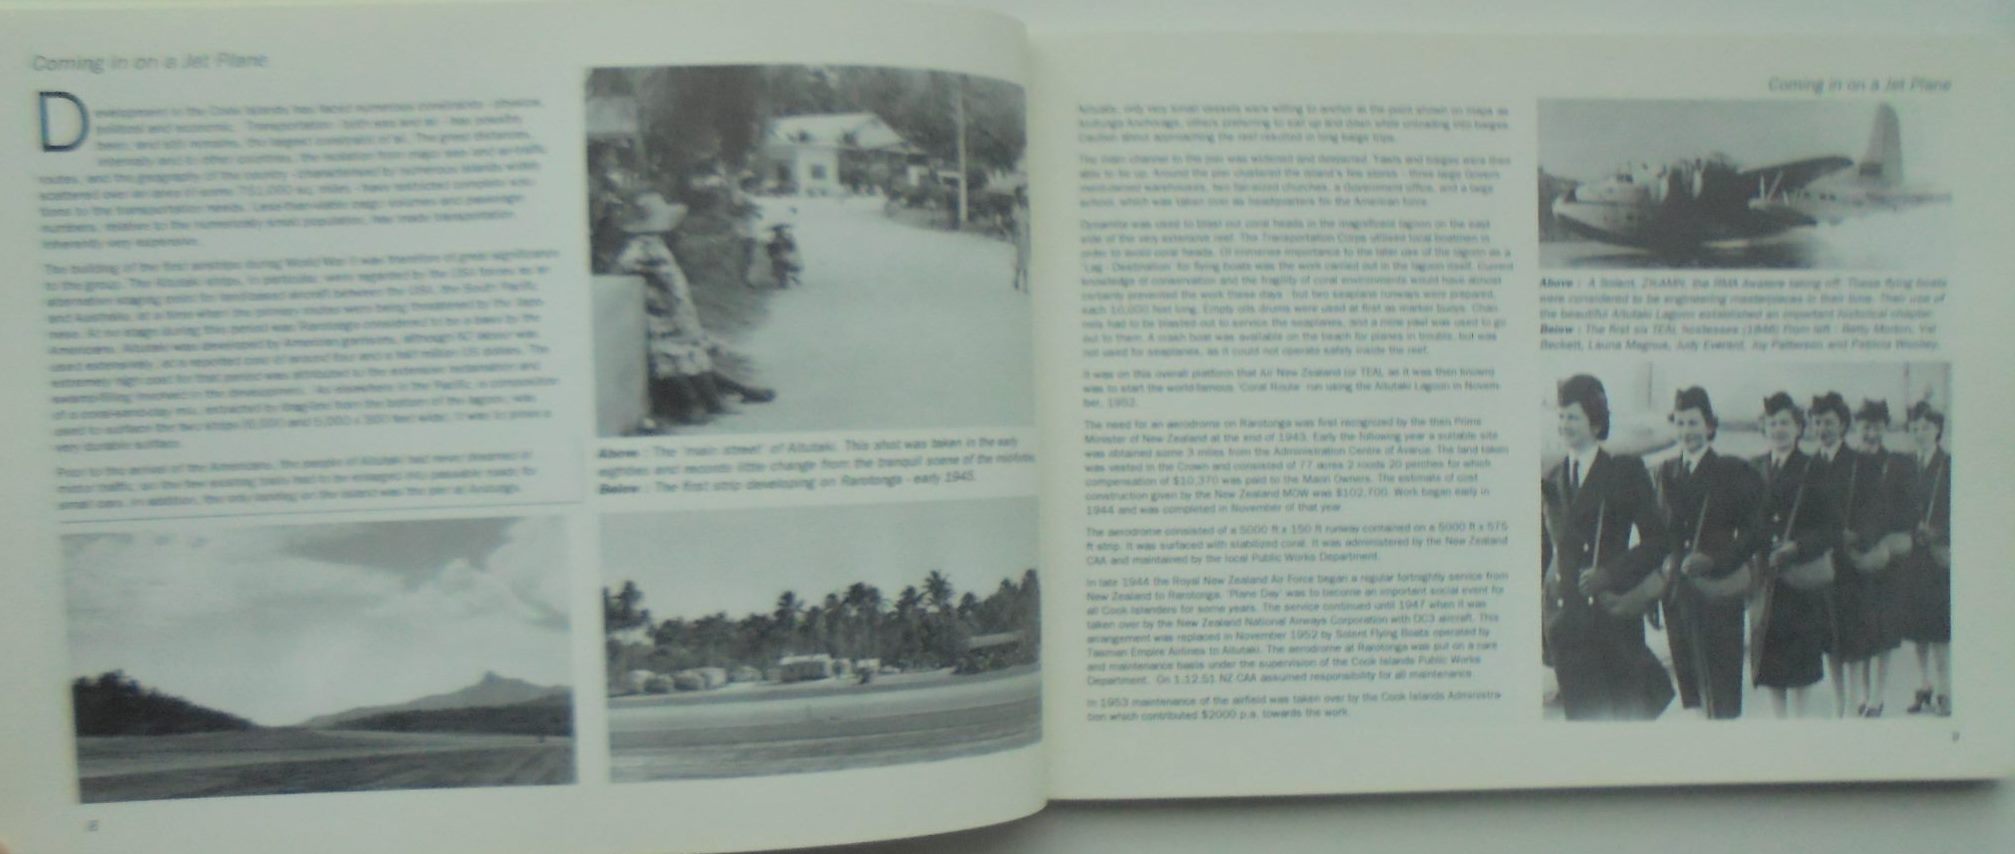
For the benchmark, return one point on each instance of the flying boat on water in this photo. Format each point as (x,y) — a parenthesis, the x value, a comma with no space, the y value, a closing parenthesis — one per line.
(1709,202)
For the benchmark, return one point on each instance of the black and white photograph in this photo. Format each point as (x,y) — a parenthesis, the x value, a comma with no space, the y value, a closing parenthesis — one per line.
(1723,541)
(320,658)
(1834,183)
(804,247)
(762,642)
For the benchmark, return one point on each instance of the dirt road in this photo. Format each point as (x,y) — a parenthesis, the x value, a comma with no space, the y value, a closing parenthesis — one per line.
(894,327)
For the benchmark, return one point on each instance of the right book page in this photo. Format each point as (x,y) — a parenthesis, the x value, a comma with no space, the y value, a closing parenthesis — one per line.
(1321,310)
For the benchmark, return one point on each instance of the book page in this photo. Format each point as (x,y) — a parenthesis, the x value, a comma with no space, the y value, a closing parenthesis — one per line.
(468,428)
(1327,307)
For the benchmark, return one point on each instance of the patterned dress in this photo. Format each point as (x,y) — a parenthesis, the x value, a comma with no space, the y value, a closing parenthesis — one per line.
(679,345)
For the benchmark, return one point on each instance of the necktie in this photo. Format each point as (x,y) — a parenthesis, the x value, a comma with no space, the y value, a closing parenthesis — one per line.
(1573,478)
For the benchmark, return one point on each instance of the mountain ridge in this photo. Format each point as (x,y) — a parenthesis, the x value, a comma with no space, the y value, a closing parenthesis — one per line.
(490,690)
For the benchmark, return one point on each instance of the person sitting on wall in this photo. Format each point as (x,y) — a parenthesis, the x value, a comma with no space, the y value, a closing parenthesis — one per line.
(685,383)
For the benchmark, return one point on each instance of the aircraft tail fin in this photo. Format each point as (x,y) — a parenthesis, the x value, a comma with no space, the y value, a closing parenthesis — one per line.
(1883,164)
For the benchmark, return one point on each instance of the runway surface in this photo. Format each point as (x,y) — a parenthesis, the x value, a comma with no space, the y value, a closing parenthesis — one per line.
(759,730)
(285,760)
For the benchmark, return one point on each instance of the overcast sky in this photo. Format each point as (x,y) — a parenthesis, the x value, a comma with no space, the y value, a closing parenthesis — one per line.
(693,564)
(1588,139)
(280,624)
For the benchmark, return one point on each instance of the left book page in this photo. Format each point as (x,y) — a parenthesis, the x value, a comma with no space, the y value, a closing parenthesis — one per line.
(597,428)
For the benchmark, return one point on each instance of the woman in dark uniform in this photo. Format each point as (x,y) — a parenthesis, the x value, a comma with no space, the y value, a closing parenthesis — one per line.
(1598,585)
(1709,502)
(1928,567)
(1877,539)
(1794,627)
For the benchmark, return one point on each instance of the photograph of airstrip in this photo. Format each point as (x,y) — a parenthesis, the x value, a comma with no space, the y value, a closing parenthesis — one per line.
(323,658)
(782,641)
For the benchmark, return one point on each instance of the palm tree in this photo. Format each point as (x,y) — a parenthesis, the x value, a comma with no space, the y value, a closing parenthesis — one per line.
(939,589)
(836,617)
(1028,610)
(752,640)
(855,603)
(784,621)
(871,618)
(620,611)
(811,629)
(711,636)
(906,619)
(786,615)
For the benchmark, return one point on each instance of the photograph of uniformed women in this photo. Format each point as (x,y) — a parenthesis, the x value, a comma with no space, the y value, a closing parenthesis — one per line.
(1740,540)
(791,247)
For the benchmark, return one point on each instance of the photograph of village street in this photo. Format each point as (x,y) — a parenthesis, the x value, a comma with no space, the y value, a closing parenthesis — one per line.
(785,641)
(324,658)
(796,248)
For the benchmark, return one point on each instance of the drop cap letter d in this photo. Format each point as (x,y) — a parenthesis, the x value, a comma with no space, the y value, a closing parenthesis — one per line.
(82,121)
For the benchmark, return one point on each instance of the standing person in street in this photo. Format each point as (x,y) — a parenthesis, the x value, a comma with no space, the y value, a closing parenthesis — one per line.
(1799,526)
(1709,506)
(684,383)
(1019,214)
(1928,567)
(745,211)
(1877,541)
(1597,583)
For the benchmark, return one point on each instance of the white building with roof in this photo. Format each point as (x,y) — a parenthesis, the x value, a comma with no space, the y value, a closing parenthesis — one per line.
(811,152)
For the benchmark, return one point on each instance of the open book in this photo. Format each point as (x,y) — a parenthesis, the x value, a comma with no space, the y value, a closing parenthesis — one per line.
(689,426)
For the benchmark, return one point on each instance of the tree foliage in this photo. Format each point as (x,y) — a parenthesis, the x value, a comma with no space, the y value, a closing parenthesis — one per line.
(547,716)
(923,629)
(116,704)
(692,116)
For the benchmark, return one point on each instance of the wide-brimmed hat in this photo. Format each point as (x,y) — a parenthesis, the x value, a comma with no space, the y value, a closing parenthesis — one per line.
(649,213)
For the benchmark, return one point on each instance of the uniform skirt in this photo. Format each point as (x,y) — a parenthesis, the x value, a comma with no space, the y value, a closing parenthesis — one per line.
(1796,639)
(1928,596)
(1858,630)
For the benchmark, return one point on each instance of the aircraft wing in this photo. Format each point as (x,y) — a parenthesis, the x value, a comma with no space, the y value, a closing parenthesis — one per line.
(1783,177)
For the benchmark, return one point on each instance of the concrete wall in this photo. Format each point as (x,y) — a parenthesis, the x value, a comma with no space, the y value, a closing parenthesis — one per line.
(621,364)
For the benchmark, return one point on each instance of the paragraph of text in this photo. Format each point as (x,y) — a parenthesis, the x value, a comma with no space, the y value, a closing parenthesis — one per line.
(1291,643)
(1864,315)
(152,178)
(144,354)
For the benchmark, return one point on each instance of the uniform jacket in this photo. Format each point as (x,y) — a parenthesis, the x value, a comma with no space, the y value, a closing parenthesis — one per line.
(1615,499)
(1816,527)
(1872,493)
(1730,492)
(1931,498)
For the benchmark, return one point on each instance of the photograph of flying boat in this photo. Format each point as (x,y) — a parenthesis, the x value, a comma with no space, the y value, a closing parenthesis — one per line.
(1686,196)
